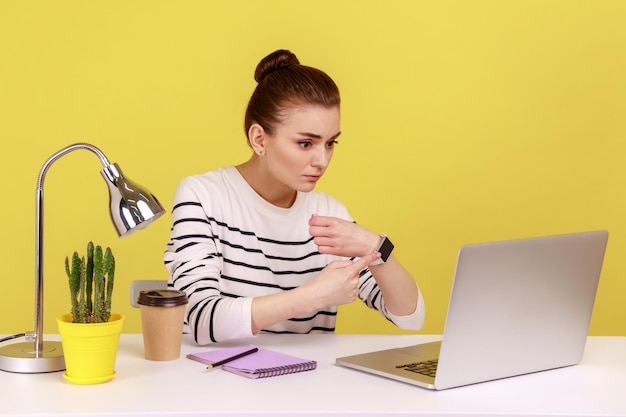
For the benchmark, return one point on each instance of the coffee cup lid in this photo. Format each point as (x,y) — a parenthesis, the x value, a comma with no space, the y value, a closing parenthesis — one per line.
(162,298)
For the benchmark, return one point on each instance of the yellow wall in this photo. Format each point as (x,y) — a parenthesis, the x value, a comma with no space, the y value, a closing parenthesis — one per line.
(463,122)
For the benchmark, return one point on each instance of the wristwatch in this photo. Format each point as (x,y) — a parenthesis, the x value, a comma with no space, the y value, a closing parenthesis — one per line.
(385,247)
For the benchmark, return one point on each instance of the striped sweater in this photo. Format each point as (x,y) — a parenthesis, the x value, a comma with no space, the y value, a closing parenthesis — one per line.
(228,245)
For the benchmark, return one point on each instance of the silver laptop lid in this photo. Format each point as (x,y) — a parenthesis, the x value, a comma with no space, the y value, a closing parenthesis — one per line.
(520,306)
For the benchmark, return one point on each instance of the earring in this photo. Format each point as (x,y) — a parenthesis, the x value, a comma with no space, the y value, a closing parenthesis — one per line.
(261,152)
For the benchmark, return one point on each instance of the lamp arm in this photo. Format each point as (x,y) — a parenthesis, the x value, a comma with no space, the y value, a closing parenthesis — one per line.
(39,235)
(64,151)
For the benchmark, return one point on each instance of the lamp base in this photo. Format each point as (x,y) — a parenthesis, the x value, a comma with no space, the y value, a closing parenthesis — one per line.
(21,358)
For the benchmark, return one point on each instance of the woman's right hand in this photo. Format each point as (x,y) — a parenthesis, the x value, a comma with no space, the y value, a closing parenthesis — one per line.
(338,282)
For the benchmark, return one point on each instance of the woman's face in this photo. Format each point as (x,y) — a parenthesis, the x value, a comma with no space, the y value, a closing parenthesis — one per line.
(299,151)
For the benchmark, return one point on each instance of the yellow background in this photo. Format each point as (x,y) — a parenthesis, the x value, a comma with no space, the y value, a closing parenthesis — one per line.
(463,122)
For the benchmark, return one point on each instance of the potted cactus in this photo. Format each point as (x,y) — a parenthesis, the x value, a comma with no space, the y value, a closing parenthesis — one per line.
(91,284)
(91,280)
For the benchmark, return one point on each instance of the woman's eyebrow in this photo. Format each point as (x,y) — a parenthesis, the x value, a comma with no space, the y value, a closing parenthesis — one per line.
(316,136)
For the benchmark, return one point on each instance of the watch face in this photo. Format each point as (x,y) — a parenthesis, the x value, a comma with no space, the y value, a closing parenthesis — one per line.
(385,249)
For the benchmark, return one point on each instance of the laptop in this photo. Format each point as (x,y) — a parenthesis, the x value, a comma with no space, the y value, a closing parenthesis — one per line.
(516,307)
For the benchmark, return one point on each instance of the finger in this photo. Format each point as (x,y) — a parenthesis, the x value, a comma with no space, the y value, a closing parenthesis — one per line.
(325,250)
(324,241)
(322,221)
(317,231)
(340,264)
(365,261)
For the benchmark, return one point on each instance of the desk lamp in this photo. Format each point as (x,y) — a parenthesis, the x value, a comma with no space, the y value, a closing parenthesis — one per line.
(132,208)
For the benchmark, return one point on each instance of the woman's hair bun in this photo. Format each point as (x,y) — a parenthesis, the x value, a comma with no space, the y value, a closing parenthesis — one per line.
(273,62)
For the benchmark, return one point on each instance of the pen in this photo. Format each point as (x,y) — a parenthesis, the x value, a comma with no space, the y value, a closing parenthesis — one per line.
(232,358)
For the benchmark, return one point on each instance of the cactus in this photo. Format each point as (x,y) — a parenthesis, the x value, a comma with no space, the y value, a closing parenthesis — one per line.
(91,284)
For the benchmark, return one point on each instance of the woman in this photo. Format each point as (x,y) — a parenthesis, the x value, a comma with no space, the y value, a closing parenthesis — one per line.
(256,249)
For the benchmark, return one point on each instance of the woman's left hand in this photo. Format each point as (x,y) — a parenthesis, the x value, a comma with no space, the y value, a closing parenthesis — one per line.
(340,237)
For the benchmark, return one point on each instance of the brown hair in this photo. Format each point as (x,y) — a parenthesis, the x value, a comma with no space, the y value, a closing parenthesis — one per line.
(283,82)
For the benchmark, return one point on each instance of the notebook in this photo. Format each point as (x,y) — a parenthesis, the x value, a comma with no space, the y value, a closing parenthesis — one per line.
(261,364)
(516,307)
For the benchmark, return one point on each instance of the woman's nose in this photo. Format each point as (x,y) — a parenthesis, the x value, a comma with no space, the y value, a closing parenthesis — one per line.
(321,158)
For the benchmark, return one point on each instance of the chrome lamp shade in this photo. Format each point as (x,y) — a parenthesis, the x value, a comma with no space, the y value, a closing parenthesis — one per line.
(132,208)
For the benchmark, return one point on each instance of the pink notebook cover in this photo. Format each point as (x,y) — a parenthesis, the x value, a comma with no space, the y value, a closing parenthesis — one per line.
(261,364)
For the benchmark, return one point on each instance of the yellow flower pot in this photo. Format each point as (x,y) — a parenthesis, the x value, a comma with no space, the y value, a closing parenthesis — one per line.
(90,349)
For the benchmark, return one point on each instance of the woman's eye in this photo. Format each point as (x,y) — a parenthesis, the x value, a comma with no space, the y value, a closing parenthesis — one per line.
(304,145)
(332,143)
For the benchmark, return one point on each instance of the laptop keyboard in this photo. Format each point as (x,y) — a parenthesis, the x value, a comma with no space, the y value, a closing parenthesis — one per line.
(428,368)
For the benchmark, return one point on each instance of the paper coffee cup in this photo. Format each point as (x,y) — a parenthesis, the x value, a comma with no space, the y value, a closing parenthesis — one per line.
(162,316)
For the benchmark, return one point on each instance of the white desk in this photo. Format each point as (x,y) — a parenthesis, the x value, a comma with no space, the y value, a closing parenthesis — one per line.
(596,387)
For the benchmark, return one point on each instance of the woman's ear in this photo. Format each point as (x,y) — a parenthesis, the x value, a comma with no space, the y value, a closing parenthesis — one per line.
(256,138)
